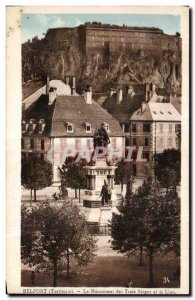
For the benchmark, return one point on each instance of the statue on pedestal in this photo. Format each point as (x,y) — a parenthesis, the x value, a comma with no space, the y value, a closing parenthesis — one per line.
(101,137)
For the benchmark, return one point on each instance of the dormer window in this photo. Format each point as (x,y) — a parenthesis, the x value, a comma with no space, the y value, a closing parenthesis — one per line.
(87,127)
(41,125)
(23,126)
(69,127)
(32,125)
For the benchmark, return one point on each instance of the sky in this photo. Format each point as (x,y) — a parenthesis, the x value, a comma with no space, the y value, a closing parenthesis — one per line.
(37,24)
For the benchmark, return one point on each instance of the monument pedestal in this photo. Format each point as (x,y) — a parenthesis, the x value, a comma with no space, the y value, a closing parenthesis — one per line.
(96,175)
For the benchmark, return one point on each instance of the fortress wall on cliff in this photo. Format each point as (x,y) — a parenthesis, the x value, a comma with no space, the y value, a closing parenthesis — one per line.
(61,38)
(96,39)
(119,39)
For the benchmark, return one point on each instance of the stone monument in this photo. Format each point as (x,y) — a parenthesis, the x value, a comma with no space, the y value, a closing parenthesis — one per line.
(97,175)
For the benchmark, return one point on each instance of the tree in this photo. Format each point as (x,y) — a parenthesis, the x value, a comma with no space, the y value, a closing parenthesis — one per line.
(122,173)
(36,173)
(72,172)
(168,168)
(52,234)
(151,220)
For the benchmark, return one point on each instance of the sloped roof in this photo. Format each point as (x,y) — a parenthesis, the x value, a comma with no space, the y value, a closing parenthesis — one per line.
(61,87)
(176,101)
(40,110)
(29,88)
(101,100)
(157,112)
(122,111)
(75,110)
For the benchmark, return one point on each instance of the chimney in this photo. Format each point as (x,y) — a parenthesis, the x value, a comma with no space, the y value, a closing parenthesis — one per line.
(88,95)
(73,92)
(148,94)
(89,88)
(52,95)
(67,80)
(143,106)
(111,92)
(168,98)
(153,88)
(129,90)
(41,125)
(119,96)
(47,85)
(74,82)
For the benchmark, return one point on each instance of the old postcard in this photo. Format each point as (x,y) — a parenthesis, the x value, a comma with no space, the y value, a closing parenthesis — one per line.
(98,150)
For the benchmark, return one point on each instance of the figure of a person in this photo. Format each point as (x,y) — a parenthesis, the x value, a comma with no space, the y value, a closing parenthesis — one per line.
(104,194)
(63,190)
(101,138)
(109,194)
(104,137)
(96,139)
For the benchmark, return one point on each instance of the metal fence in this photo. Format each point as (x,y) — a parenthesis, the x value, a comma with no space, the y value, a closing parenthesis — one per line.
(98,229)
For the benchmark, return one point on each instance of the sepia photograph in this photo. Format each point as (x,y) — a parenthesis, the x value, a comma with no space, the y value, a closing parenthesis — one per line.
(102,163)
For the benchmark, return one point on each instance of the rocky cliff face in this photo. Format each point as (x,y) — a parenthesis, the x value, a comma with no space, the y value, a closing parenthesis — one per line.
(103,70)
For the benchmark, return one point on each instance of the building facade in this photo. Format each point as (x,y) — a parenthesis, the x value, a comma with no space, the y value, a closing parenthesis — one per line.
(154,127)
(97,37)
(56,121)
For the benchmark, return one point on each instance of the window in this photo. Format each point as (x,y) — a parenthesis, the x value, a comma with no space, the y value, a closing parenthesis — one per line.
(161,128)
(31,127)
(146,142)
(89,143)
(69,127)
(169,113)
(127,143)
(177,128)
(32,144)
(154,112)
(146,155)
(134,141)
(170,128)
(42,156)
(40,127)
(161,113)
(42,145)
(170,142)
(24,127)
(126,127)
(114,141)
(24,155)
(23,144)
(88,127)
(160,142)
(146,127)
(77,143)
(133,127)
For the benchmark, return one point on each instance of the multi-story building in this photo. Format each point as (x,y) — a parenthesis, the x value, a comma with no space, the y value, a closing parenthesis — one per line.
(155,127)
(97,37)
(57,120)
